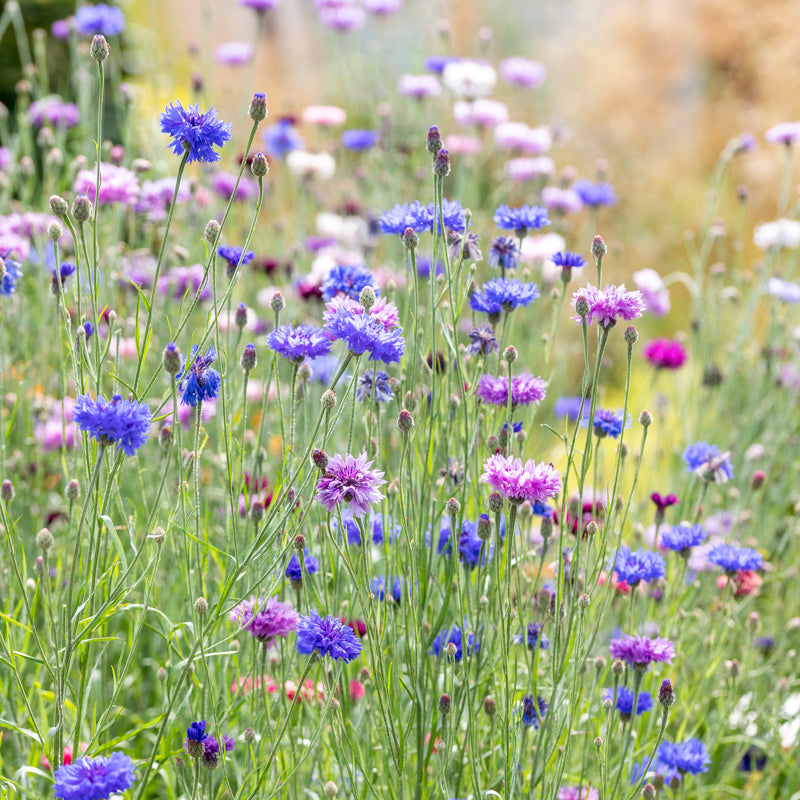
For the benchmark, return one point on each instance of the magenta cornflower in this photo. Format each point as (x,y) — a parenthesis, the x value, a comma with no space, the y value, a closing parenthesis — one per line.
(519,482)
(265,620)
(608,306)
(350,481)
(641,651)
(665,353)
(525,389)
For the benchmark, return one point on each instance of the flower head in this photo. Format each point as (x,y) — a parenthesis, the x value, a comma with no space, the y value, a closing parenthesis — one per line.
(281,139)
(470,545)
(329,636)
(786,291)
(199,380)
(455,637)
(675,759)
(665,354)
(733,558)
(517,482)
(525,389)
(8,283)
(705,460)
(534,637)
(348,280)
(194,131)
(641,651)
(533,711)
(124,422)
(595,194)
(94,778)
(654,293)
(503,294)
(611,304)
(644,701)
(360,139)
(504,253)
(102,18)
(568,261)
(299,342)
(365,333)
(294,572)
(523,219)
(607,422)
(569,407)
(235,255)
(641,565)
(482,340)
(265,620)
(350,481)
(682,538)
(520,71)
(373,386)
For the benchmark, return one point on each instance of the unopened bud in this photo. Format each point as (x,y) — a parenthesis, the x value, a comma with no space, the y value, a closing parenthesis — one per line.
(257,511)
(484,527)
(328,399)
(441,164)
(249,357)
(666,695)
(645,419)
(58,205)
(171,359)
(211,232)
(410,239)
(55,231)
(510,354)
(259,166)
(258,107)
(7,491)
(201,605)
(496,502)
(249,735)
(631,335)
(649,792)
(159,535)
(444,704)
(582,306)
(165,436)
(277,302)
(583,601)
(81,208)
(44,540)
(599,248)
(367,297)
(319,458)
(434,141)
(490,706)
(99,48)
(405,421)
(72,490)
(330,789)
(618,667)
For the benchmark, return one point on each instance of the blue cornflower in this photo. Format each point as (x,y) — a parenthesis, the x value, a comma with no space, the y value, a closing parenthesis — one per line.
(503,294)
(470,545)
(199,381)
(293,570)
(641,565)
(124,422)
(299,342)
(363,333)
(375,524)
(453,213)
(60,276)
(196,732)
(681,538)
(524,219)
(706,460)
(644,701)
(360,139)
(453,636)
(88,328)
(408,215)
(280,139)
(674,760)
(569,407)
(377,386)
(197,130)
(482,341)
(8,284)
(443,546)
(349,280)
(424,265)
(534,637)
(379,585)
(233,255)
(504,253)
(607,422)
(94,778)
(530,717)
(324,368)
(595,194)
(568,260)
(102,18)
(327,635)
(734,559)
(436,64)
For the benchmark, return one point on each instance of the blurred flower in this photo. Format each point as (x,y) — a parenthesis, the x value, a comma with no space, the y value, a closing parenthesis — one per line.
(563,201)
(606,422)
(519,71)
(635,566)
(294,572)
(503,295)
(521,220)
(234,53)
(675,759)
(101,18)
(681,538)
(705,460)
(371,385)
(360,139)
(782,233)
(569,407)
(526,169)
(348,279)
(469,79)
(53,110)
(504,253)
(224,183)
(324,116)
(519,136)
(665,354)
(530,713)
(595,194)
(484,112)
(733,558)
(10,279)
(281,139)
(419,86)
(117,185)
(311,165)
(482,340)
(342,17)
(654,293)
(786,133)
(94,778)
(644,701)
(525,389)
(453,636)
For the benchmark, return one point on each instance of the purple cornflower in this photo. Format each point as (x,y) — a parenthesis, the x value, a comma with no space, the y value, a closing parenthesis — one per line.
(197,131)
(644,701)
(225,184)
(641,651)
(360,139)
(329,636)
(419,86)
(54,110)
(786,133)
(8,283)
(734,559)
(607,422)
(461,244)
(595,194)
(517,482)
(503,294)
(348,280)
(281,139)
(117,185)
(504,253)
(676,759)
(519,71)
(456,637)
(364,333)
(608,306)
(569,407)
(234,54)
(294,572)
(379,585)
(530,713)
(260,5)
(482,340)
(705,460)
(351,481)
(126,422)
(521,220)
(265,620)
(199,381)
(211,750)
(525,389)
(102,18)
(641,565)
(94,778)
(682,538)
(374,385)
(299,342)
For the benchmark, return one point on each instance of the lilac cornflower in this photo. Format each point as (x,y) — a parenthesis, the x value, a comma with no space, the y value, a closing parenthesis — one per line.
(641,565)
(199,380)
(504,253)
(294,572)
(786,133)
(705,460)
(733,558)
(364,333)
(94,778)
(260,5)
(9,281)
(195,131)
(299,342)
(124,422)
(641,651)
(521,220)
(530,714)
(608,306)
(676,759)
(517,482)
(212,749)
(350,481)
(453,636)
(348,280)
(328,636)
(607,422)
(234,54)
(360,139)
(53,109)
(419,86)
(461,244)
(117,185)
(785,291)
(520,71)
(265,620)
(525,389)
(682,538)
(569,407)
(233,255)
(281,139)
(483,340)
(595,194)
(625,698)
(60,276)
(102,18)
(374,385)
(503,295)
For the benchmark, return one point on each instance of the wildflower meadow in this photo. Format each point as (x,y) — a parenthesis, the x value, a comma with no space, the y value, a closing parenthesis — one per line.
(347,449)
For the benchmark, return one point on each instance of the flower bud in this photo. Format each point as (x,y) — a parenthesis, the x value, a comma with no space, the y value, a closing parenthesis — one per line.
(319,458)
(649,792)
(583,601)
(666,695)
(277,302)
(99,49)
(330,789)
(81,208)
(171,359)
(510,354)
(328,399)
(434,141)
(441,164)
(645,419)
(165,436)
(410,239)
(258,107)
(259,166)
(496,502)
(582,306)
(490,706)
(452,507)
(367,297)
(249,735)
(54,231)
(7,491)
(201,605)
(249,357)
(546,528)
(618,668)
(484,527)
(405,421)
(257,511)
(44,540)
(159,535)
(72,490)
(58,205)
(599,248)
(631,335)
(211,232)
(444,704)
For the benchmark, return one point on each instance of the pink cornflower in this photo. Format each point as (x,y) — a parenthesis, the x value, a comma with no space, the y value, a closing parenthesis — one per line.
(484,112)
(564,201)
(574,793)
(419,86)
(234,53)
(525,389)
(223,184)
(517,135)
(608,306)
(665,354)
(519,482)
(654,292)
(117,184)
(324,116)
(351,481)
(641,651)
(526,169)
(463,145)
(265,620)
(519,71)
